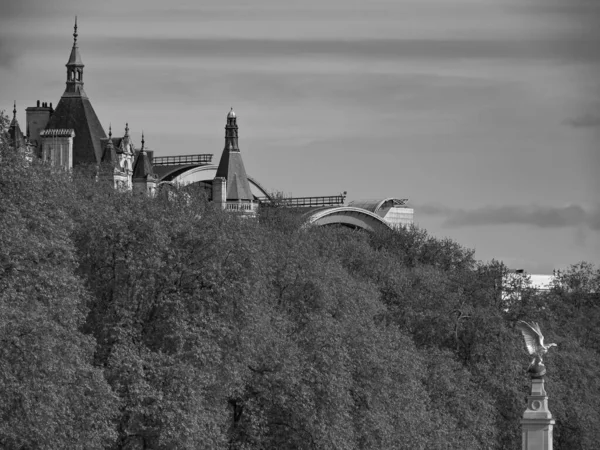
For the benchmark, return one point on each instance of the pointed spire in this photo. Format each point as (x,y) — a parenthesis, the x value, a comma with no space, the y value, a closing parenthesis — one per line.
(14,130)
(74,58)
(142,168)
(14,121)
(110,154)
(75,33)
(74,70)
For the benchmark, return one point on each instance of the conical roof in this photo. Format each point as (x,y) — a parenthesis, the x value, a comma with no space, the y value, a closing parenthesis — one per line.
(231,166)
(75,57)
(17,139)
(110,154)
(142,168)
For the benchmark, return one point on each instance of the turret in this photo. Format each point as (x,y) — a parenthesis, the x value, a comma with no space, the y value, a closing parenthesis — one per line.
(144,179)
(75,69)
(110,169)
(231,176)
(74,111)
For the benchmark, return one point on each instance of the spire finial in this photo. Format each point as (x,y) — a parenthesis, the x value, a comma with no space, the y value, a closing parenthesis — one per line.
(142,140)
(231,114)
(110,130)
(126,129)
(75,33)
(15,110)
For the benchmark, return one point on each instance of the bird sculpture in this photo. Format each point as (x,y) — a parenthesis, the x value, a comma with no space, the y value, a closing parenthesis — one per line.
(534,340)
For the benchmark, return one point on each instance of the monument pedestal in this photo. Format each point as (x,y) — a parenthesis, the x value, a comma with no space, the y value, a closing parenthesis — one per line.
(537,422)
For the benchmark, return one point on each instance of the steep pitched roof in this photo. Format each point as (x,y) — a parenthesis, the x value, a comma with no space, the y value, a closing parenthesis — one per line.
(109,156)
(75,57)
(142,167)
(231,166)
(76,112)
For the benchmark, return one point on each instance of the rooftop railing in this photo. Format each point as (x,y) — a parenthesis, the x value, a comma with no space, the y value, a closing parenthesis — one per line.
(235,206)
(305,202)
(180,160)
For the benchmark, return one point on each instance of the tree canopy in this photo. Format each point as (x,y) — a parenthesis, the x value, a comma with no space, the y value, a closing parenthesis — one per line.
(130,322)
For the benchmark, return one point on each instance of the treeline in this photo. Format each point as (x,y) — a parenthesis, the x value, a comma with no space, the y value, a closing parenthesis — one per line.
(136,323)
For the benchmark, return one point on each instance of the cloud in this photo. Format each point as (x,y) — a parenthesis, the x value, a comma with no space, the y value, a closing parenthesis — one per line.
(537,216)
(587,120)
(365,49)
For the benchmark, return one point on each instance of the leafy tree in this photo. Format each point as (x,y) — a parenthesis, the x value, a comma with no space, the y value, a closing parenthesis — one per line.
(130,322)
(50,394)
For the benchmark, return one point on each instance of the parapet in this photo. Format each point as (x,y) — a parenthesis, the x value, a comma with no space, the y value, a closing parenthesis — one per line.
(59,132)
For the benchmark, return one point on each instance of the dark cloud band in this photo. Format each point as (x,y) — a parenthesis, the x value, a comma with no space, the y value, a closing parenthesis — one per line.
(538,216)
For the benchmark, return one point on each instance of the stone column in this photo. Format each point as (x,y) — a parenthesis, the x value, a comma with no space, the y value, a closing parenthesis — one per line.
(537,422)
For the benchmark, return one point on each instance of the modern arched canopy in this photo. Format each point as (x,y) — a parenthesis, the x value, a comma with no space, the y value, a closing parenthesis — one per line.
(348,216)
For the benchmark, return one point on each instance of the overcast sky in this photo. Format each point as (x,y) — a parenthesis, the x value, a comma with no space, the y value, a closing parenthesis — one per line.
(484,113)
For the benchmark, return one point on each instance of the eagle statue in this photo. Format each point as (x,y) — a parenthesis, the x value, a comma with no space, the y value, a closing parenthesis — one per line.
(534,341)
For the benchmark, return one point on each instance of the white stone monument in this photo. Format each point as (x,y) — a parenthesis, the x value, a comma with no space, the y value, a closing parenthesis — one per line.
(537,422)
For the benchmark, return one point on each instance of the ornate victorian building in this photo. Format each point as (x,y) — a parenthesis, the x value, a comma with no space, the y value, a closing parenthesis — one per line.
(72,135)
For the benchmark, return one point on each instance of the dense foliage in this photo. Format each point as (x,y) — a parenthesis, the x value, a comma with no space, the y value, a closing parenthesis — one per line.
(136,323)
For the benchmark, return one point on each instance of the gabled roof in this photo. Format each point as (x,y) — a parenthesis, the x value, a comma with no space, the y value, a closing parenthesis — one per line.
(77,113)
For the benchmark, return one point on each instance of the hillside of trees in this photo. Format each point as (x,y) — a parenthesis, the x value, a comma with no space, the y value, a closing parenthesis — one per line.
(135,323)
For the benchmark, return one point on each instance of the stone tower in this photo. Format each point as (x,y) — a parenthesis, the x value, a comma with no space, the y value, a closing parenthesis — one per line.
(231,187)
(75,112)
